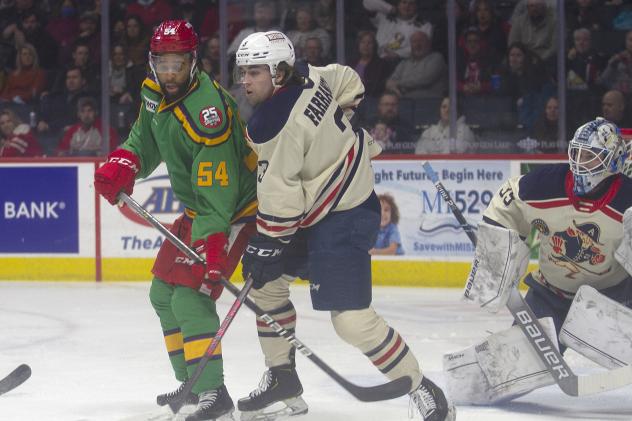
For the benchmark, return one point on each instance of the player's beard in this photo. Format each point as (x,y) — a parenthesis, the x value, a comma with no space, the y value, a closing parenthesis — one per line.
(170,97)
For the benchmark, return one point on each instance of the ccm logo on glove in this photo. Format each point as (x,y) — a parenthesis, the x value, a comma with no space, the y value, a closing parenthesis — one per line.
(268,252)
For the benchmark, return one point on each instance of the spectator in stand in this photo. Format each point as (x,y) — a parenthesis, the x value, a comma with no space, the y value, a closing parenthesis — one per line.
(118,32)
(28,29)
(474,65)
(313,52)
(81,58)
(90,35)
(63,27)
(389,241)
(545,129)
(209,59)
(618,73)
(523,79)
(237,10)
(536,29)
(11,11)
(585,14)
(16,139)
(395,25)
(85,138)
(151,12)
(264,15)
(26,83)
(583,63)
(124,77)
(492,30)
(436,138)
(54,116)
(306,28)
(370,66)
(423,74)
(136,40)
(613,108)
(388,129)
(325,15)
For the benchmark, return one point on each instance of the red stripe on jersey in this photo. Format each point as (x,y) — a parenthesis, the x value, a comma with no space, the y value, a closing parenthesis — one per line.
(390,352)
(279,321)
(617,216)
(550,203)
(276,228)
(333,194)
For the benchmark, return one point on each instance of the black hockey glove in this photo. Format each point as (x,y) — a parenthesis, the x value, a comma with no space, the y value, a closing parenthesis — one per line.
(262,260)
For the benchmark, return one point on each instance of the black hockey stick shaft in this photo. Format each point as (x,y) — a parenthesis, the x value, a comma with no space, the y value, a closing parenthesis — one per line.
(385,391)
(15,378)
(176,404)
(569,382)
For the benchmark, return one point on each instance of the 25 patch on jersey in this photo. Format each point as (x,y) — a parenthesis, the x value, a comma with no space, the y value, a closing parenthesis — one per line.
(211,117)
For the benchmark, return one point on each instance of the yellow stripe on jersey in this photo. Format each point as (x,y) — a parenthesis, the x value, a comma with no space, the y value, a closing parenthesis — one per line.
(195,349)
(249,210)
(251,161)
(174,342)
(151,84)
(208,141)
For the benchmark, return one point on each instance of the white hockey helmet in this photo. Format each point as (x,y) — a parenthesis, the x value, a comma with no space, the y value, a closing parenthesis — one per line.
(268,48)
(596,152)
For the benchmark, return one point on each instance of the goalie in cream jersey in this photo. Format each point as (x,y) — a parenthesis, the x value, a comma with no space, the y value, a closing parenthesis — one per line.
(318,218)
(581,211)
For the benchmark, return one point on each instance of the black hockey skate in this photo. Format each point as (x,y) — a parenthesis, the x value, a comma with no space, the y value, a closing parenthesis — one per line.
(279,385)
(213,405)
(167,398)
(431,403)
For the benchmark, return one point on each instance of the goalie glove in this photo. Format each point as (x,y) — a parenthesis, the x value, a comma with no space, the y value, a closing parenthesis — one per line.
(117,175)
(262,260)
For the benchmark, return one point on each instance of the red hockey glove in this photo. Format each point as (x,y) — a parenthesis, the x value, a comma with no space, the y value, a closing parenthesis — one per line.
(215,251)
(117,175)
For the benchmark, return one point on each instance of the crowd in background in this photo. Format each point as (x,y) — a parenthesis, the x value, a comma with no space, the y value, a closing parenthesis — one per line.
(506,67)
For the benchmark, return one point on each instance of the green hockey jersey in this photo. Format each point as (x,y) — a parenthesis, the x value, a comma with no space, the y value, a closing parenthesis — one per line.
(200,137)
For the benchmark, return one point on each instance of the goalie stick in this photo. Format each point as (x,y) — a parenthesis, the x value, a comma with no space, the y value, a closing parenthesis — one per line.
(569,382)
(15,378)
(390,390)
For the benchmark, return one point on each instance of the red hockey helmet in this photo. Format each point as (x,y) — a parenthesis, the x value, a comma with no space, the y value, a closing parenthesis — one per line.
(174,36)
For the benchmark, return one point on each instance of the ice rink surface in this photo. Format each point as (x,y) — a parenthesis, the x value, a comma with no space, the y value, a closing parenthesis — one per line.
(97,354)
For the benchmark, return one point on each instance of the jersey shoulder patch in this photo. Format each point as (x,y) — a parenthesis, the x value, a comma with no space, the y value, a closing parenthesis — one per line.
(205,114)
(272,115)
(543,183)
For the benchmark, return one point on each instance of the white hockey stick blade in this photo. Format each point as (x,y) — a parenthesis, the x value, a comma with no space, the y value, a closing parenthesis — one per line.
(15,378)
(569,382)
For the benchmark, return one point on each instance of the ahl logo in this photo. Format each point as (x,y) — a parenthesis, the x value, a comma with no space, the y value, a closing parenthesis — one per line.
(211,117)
(33,210)
(155,195)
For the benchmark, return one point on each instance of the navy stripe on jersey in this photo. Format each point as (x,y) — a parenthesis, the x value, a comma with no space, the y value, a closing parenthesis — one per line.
(270,117)
(356,164)
(544,183)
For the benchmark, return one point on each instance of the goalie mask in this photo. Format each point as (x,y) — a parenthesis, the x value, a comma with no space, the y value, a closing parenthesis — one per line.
(263,48)
(596,152)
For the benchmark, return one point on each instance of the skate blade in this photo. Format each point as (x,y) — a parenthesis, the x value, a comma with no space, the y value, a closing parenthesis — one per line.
(293,407)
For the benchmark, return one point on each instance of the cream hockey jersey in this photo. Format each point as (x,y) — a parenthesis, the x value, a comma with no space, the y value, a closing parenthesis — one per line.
(578,237)
(311,161)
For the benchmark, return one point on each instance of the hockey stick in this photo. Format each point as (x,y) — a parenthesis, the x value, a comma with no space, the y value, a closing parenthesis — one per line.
(390,390)
(569,382)
(177,403)
(15,378)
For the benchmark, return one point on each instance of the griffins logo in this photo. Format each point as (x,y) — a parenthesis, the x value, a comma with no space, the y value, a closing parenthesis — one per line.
(155,195)
(577,245)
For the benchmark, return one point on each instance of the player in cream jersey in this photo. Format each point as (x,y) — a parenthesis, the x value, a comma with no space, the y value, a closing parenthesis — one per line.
(318,218)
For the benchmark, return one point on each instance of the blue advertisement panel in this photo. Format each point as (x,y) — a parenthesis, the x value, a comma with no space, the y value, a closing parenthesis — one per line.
(426,226)
(39,210)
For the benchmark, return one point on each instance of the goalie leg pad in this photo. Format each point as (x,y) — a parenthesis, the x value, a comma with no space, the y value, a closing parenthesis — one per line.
(500,261)
(387,350)
(500,368)
(599,328)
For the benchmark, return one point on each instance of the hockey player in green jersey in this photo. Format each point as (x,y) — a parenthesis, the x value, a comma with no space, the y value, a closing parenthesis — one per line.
(188,121)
